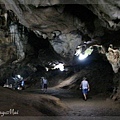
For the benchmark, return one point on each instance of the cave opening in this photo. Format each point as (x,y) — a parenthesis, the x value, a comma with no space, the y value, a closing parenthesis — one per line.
(35,57)
(37,42)
(94,60)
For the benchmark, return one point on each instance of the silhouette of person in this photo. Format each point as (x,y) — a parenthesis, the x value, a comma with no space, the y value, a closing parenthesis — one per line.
(45,82)
(85,88)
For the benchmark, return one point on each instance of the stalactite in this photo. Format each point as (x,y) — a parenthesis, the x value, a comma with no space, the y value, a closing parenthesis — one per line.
(17,38)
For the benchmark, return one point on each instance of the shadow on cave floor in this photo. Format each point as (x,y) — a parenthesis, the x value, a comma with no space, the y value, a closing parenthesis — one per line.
(97,105)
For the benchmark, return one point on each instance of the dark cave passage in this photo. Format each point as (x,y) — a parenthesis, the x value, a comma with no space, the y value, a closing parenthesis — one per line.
(83,13)
(37,42)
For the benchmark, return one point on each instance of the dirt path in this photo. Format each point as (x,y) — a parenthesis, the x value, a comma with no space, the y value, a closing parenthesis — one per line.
(94,106)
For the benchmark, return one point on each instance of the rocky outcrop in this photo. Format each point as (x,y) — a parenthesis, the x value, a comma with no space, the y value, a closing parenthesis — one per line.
(65,44)
(39,105)
(107,11)
(52,18)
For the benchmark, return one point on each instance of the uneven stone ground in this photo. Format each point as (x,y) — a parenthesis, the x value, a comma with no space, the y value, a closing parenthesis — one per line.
(92,107)
(29,104)
(96,107)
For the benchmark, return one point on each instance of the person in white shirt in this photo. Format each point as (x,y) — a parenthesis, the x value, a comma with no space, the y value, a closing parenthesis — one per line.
(85,88)
(45,84)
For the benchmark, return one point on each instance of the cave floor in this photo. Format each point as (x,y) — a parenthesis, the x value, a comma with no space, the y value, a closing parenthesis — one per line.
(97,105)
(29,102)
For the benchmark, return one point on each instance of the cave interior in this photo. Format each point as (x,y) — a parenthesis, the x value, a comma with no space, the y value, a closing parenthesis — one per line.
(34,41)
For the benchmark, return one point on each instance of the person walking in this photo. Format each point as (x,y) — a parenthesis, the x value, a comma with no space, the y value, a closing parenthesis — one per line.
(45,82)
(42,84)
(85,88)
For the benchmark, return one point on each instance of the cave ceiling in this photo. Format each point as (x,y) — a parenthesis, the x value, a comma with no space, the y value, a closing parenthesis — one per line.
(65,24)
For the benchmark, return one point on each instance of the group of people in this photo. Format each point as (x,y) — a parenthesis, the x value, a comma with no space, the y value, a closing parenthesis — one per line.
(84,86)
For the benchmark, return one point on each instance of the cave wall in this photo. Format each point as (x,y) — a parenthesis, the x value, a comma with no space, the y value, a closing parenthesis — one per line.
(65,20)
